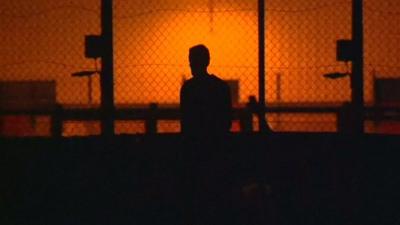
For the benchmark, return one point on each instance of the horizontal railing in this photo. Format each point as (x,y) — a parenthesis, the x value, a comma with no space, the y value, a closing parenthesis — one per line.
(152,113)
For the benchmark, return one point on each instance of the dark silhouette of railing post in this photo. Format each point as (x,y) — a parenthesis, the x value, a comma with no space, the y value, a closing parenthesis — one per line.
(57,122)
(107,69)
(151,120)
(246,119)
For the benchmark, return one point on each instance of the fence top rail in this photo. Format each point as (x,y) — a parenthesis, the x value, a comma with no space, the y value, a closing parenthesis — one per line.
(172,111)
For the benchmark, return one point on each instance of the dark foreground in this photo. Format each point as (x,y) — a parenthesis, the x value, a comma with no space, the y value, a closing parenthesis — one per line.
(275,179)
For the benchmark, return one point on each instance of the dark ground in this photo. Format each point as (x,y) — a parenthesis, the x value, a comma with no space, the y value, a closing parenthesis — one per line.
(304,179)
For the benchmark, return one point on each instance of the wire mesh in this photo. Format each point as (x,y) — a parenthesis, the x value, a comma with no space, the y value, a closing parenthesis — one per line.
(44,41)
(152,42)
(381,55)
(301,47)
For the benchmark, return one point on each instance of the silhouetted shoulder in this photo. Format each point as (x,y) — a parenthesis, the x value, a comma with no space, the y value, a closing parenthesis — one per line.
(219,83)
(205,106)
(187,87)
(204,82)
(217,79)
(188,83)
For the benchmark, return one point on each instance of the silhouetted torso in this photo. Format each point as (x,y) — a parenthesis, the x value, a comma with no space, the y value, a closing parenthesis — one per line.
(205,119)
(205,107)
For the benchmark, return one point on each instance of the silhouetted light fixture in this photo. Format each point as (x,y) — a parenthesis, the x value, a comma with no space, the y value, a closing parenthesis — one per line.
(88,74)
(85,73)
(336,75)
(94,46)
(345,50)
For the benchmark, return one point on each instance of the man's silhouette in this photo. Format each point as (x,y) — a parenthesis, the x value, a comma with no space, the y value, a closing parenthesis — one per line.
(206,119)
(205,99)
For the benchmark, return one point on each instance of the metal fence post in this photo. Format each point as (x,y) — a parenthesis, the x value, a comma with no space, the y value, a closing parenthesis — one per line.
(107,71)
(261,62)
(357,77)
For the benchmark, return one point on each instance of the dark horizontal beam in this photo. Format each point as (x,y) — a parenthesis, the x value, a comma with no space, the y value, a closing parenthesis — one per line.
(174,113)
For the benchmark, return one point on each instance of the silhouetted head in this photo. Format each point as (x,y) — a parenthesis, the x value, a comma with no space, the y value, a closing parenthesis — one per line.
(199,59)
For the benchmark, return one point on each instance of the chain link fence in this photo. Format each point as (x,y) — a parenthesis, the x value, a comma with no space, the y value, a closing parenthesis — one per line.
(381,56)
(43,41)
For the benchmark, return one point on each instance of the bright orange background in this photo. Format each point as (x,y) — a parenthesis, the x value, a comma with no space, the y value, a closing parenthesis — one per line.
(43,40)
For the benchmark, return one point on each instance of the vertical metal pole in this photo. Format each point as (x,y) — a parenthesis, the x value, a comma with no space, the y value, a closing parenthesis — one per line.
(278,87)
(89,94)
(357,78)
(107,71)
(261,58)
(278,98)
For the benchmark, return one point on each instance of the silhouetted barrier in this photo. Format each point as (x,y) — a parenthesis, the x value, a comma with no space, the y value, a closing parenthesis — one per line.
(153,113)
(274,179)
